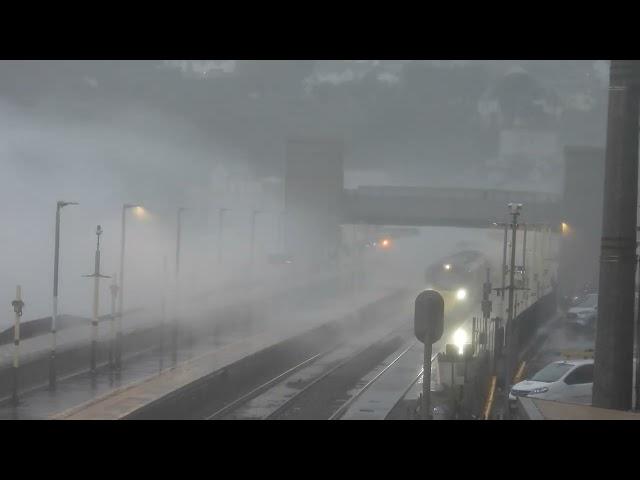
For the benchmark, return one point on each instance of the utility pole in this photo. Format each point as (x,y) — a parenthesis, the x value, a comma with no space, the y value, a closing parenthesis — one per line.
(637,349)
(96,275)
(17,305)
(178,235)
(163,310)
(254,214)
(174,330)
(504,269)
(613,370)
(525,282)
(221,212)
(511,326)
(486,307)
(113,288)
(54,317)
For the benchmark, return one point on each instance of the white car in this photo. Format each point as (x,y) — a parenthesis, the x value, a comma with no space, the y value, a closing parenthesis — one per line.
(569,381)
(583,314)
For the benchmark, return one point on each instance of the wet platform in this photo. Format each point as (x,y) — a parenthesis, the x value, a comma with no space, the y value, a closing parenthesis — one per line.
(398,383)
(120,403)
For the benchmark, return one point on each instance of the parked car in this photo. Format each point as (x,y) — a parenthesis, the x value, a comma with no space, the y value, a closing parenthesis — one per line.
(569,381)
(584,314)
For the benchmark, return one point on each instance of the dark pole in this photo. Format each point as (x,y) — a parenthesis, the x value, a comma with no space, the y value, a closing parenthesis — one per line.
(512,335)
(18,305)
(426,378)
(637,379)
(163,310)
(54,317)
(613,377)
(220,231)
(504,275)
(174,330)
(524,260)
(118,353)
(178,234)
(253,235)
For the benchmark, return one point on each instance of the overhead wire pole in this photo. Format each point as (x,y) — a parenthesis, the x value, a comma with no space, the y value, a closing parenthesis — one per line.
(221,213)
(118,355)
(17,305)
(96,275)
(113,288)
(54,316)
(504,270)
(511,327)
(254,214)
(524,263)
(613,366)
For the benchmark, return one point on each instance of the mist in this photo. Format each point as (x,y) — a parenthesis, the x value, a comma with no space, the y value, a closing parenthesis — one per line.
(105,153)
(213,140)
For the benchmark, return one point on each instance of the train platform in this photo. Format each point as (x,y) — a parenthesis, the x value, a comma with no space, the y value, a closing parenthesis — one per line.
(122,402)
(199,305)
(397,381)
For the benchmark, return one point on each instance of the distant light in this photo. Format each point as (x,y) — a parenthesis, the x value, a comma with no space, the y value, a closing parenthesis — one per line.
(565,228)
(461,294)
(460,339)
(385,243)
(447,266)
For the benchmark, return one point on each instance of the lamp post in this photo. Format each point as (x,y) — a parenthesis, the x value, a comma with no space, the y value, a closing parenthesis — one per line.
(96,275)
(125,207)
(54,317)
(177,286)
(221,213)
(254,214)
(512,336)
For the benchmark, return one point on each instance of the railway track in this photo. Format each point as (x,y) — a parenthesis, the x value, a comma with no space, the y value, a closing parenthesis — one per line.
(325,386)
(314,389)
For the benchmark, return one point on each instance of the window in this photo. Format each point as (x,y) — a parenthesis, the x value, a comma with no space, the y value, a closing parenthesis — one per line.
(590,301)
(580,375)
(552,372)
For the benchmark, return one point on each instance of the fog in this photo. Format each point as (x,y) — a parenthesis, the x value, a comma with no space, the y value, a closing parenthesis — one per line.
(206,135)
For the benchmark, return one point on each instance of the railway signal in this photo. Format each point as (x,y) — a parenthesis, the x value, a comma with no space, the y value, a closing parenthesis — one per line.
(428,328)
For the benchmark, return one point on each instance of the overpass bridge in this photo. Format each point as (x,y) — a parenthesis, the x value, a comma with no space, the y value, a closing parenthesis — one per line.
(445,207)
(317,202)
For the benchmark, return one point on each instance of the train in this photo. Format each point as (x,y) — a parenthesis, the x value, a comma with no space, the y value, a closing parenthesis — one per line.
(459,277)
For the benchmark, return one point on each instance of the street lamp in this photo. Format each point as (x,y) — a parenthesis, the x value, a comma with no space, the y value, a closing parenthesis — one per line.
(174,337)
(54,317)
(515,210)
(179,231)
(139,211)
(220,227)
(253,233)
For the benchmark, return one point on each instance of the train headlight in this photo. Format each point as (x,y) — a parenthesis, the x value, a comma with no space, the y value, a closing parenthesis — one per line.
(461,294)
(460,338)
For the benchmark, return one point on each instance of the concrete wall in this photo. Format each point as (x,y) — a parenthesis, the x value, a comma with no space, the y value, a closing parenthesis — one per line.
(314,186)
(582,212)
